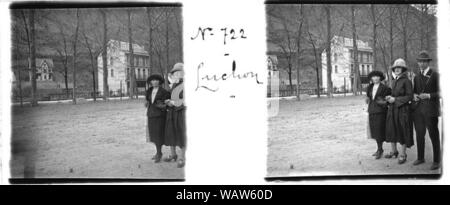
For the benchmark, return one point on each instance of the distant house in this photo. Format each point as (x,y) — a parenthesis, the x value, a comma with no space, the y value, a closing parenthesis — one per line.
(44,69)
(118,65)
(342,63)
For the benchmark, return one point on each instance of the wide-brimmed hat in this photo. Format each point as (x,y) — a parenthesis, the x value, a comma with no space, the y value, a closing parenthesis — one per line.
(156,77)
(424,56)
(177,67)
(399,63)
(376,73)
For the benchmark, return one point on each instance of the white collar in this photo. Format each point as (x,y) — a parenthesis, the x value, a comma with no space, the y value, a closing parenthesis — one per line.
(426,70)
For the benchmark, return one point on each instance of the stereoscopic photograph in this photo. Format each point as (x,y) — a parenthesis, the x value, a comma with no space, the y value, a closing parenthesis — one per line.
(97,91)
(353,90)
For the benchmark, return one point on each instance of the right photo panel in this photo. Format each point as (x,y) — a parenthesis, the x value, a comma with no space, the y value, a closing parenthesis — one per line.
(353,90)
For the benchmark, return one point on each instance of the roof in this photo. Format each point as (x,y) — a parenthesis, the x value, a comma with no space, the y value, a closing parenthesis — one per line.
(49,62)
(348,42)
(124,46)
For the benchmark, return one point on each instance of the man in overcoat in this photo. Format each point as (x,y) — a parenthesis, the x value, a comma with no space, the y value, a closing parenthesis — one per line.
(427,109)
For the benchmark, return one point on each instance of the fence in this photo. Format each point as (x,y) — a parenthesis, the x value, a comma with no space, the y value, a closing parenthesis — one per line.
(285,91)
(62,94)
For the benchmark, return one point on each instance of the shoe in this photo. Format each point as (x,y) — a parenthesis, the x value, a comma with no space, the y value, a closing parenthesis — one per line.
(391,154)
(180,163)
(378,154)
(419,161)
(171,158)
(375,154)
(157,158)
(435,165)
(402,159)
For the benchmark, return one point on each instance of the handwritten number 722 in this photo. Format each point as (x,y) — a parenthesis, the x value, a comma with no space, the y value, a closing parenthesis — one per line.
(227,34)
(232,34)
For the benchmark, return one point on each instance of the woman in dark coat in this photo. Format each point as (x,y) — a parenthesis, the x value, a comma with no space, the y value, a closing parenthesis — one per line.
(399,126)
(176,123)
(156,113)
(377,109)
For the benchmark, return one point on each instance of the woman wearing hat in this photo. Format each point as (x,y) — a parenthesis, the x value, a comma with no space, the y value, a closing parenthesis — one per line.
(398,122)
(175,124)
(377,108)
(156,113)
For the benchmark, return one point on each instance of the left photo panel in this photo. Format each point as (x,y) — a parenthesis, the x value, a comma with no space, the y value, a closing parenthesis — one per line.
(97,91)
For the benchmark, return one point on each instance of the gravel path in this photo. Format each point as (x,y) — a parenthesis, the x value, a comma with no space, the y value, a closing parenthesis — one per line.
(87,140)
(318,137)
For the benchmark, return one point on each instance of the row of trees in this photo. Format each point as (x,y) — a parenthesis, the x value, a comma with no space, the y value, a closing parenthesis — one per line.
(301,32)
(75,37)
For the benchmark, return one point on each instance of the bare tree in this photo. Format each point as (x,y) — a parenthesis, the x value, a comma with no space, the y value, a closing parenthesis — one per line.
(375,18)
(356,77)
(33,57)
(92,59)
(74,60)
(132,75)
(104,55)
(167,41)
(328,51)
(404,15)
(150,39)
(299,50)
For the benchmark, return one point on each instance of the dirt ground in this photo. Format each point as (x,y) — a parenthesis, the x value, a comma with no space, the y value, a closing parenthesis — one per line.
(318,137)
(87,140)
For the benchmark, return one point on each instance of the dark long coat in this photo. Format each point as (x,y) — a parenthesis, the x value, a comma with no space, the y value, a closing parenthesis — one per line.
(156,115)
(176,118)
(399,127)
(377,109)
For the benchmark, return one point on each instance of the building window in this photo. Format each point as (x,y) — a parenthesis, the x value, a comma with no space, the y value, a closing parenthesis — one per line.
(139,73)
(112,72)
(351,68)
(111,61)
(335,69)
(335,57)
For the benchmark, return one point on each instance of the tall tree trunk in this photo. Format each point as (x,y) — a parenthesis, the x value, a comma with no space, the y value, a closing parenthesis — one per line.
(328,52)
(422,24)
(93,64)
(404,19)
(374,35)
(299,62)
(74,60)
(150,41)
(167,42)
(179,33)
(391,42)
(316,61)
(104,56)
(132,73)
(356,77)
(33,58)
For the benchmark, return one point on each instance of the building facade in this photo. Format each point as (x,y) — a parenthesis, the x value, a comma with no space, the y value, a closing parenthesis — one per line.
(342,63)
(44,69)
(118,65)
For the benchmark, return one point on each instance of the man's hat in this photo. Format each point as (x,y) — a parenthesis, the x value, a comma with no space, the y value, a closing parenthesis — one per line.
(424,56)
